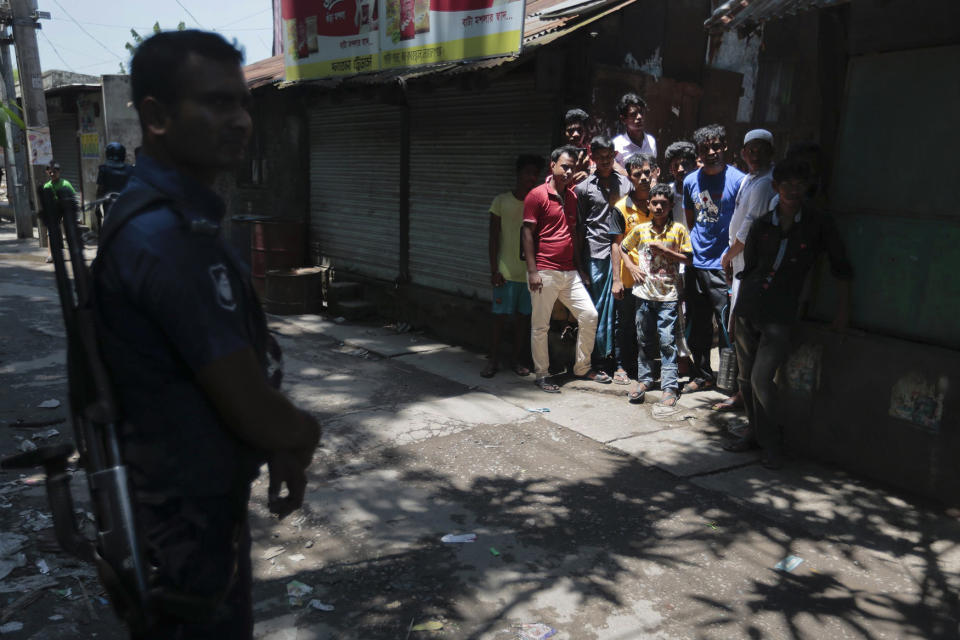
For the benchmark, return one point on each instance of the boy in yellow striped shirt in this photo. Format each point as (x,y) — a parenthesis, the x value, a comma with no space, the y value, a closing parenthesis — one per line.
(642,170)
(652,252)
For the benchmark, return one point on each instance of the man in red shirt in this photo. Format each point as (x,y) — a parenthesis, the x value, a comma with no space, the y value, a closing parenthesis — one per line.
(551,246)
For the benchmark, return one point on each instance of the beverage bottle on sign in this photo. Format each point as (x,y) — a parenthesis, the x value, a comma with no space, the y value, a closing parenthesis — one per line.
(408,26)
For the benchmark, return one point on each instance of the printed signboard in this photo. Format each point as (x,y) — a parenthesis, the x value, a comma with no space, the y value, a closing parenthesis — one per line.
(328,38)
(324,38)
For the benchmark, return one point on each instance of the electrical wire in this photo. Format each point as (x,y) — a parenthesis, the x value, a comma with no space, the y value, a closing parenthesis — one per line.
(125,27)
(189,14)
(80,26)
(252,15)
(50,42)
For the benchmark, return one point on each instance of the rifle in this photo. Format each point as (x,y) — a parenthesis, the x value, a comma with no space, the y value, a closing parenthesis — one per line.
(116,551)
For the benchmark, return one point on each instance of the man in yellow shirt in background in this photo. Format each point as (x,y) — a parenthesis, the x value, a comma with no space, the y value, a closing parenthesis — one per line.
(508,272)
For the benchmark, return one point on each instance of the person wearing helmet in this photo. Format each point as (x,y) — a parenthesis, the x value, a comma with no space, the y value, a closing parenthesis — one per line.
(112,177)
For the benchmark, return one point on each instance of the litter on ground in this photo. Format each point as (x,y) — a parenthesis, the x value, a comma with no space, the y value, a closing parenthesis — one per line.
(535,631)
(454,538)
(320,606)
(296,590)
(789,563)
(272,552)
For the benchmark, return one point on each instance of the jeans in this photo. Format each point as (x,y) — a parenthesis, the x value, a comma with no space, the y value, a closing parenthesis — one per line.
(625,346)
(567,286)
(665,316)
(761,349)
(706,299)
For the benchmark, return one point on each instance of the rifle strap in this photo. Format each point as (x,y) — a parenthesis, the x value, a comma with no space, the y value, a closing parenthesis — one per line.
(129,205)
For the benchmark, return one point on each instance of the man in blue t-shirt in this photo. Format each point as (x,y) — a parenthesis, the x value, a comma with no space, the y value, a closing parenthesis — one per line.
(709,197)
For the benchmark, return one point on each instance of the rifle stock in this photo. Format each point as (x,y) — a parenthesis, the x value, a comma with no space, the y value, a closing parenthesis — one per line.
(117,550)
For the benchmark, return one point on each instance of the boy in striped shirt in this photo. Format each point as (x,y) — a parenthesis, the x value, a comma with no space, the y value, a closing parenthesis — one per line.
(652,252)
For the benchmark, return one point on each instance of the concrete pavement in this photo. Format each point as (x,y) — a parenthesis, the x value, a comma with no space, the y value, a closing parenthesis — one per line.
(598,519)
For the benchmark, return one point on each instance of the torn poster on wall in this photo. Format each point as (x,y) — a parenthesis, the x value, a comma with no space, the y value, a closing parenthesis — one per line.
(918,400)
(803,369)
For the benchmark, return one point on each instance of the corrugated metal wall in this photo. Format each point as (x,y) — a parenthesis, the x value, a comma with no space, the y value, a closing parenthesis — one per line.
(66,148)
(462,150)
(355,186)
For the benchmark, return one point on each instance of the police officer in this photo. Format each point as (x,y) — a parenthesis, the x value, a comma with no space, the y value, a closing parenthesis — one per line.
(186,344)
(112,176)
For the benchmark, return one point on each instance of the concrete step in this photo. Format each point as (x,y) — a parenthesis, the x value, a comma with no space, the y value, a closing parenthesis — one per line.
(344,290)
(353,309)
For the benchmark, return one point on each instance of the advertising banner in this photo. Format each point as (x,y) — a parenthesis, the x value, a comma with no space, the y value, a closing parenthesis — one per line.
(328,38)
(429,31)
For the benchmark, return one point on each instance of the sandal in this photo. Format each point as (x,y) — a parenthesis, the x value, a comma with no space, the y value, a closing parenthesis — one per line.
(620,376)
(733,403)
(490,370)
(544,385)
(741,445)
(669,398)
(698,384)
(599,377)
(521,370)
(638,394)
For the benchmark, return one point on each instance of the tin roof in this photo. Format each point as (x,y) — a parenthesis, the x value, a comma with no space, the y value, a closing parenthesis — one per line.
(744,13)
(546,21)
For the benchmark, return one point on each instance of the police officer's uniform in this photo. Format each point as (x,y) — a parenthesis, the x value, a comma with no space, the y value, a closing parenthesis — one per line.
(171,298)
(112,176)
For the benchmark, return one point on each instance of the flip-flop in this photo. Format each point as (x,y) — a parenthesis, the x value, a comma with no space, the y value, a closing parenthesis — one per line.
(521,370)
(638,394)
(740,445)
(600,377)
(489,371)
(669,398)
(732,403)
(549,387)
(698,384)
(620,377)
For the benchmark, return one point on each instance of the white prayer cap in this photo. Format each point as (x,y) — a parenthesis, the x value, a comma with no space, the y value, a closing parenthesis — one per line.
(758,134)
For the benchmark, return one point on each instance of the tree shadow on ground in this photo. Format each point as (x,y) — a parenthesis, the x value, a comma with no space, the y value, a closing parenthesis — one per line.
(577,526)
(580,529)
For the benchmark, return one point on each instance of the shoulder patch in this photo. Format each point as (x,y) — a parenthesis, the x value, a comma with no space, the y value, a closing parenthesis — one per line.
(221,287)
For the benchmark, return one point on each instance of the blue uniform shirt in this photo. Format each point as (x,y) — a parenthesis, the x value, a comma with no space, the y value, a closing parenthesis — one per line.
(169,301)
(713,199)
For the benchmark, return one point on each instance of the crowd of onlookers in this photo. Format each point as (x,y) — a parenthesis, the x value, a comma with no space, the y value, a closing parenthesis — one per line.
(660,262)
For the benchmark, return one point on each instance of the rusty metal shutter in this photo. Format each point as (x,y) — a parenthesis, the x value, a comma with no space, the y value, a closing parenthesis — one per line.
(66,148)
(355,186)
(463,147)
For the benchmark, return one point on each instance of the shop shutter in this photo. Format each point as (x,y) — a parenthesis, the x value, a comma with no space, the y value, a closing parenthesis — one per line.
(66,148)
(463,147)
(355,186)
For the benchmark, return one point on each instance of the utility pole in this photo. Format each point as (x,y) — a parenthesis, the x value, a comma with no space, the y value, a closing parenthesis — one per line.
(15,158)
(25,27)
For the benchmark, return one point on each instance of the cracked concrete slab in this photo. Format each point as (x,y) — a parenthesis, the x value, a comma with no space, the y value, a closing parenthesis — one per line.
(380,340)
(683,452)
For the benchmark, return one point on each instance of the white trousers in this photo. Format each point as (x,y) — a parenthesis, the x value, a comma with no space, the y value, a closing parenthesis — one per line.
(567,286)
